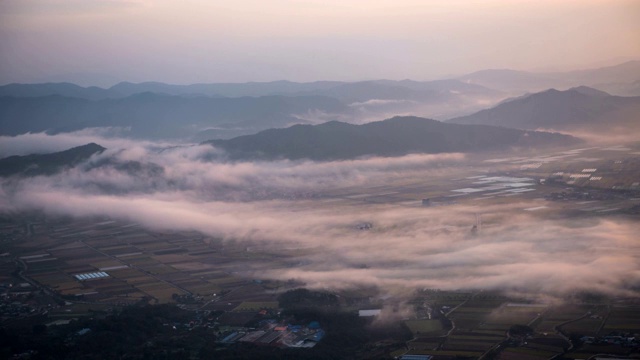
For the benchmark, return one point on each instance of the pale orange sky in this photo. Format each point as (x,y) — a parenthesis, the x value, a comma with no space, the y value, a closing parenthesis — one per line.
(192,41)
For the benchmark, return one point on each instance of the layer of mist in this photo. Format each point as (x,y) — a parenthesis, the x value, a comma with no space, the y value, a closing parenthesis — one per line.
(282,205)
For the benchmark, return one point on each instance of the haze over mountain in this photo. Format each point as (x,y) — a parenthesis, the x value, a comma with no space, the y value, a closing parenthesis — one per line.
(63,89)
(580,108)
(346,91)
(392,137)
(156,110)
(150,115)
(618,77)
(223,110)
(125,89)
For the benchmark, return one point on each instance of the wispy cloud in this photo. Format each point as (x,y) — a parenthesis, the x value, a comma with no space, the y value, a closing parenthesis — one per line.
(40,143)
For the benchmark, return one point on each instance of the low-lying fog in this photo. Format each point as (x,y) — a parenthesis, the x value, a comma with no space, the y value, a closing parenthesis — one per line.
(408,247)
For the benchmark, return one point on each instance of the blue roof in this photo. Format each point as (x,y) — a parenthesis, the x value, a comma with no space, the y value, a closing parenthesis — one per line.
(314,325)
(318,335)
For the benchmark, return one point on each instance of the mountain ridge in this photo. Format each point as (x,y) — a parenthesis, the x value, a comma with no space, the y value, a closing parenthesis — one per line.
(396,136)
(577,108)
(152,115)
(493,79)
(518,81)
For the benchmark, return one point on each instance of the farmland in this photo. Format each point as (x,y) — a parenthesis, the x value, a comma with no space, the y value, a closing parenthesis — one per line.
(139,264)
(57,269)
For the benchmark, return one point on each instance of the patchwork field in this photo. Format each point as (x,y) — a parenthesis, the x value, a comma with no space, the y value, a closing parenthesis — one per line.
(138,263)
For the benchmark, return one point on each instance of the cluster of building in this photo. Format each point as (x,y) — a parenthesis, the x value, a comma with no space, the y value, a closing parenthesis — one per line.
(272,333)
(14,309)
(624,340)
(16,301)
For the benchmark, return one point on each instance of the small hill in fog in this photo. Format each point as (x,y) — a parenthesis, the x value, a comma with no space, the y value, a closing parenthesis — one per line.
(47,164)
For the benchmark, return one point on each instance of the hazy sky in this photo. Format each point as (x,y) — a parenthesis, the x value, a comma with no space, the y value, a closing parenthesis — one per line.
(189,41)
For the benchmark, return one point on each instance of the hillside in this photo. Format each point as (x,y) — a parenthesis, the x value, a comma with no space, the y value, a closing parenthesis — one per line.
(393,137)
(47,164)
(580,108)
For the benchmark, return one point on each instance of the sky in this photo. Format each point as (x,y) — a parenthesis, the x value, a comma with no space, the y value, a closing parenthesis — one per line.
(101,42)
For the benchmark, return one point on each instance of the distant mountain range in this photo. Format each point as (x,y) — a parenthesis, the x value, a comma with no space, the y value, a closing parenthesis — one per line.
(580,108)
(393,137)
(151,115)
(47,164)
(160,111)
(622,78)
(619,79)
(200,112)
(344,91)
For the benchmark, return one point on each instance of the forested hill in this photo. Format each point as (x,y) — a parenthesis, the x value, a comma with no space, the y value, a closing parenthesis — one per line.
(392,137)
